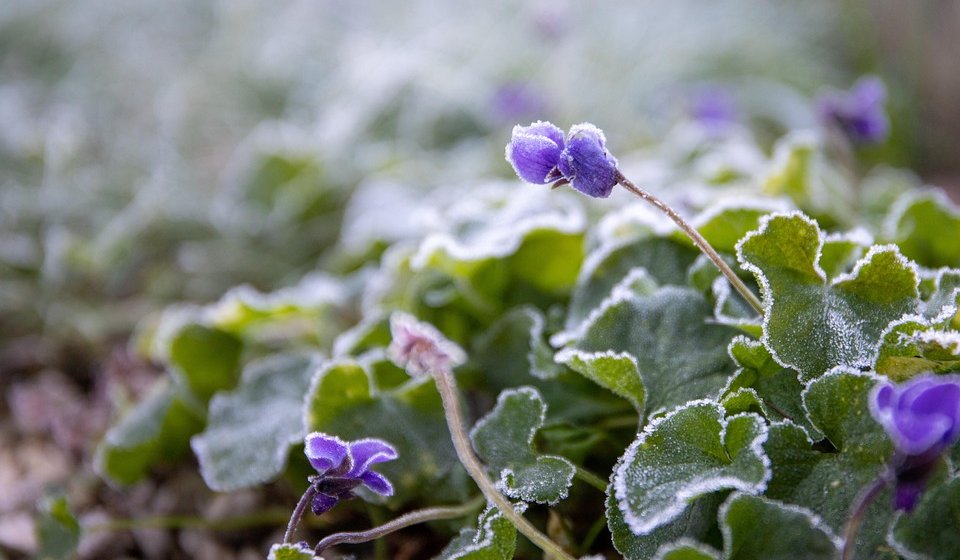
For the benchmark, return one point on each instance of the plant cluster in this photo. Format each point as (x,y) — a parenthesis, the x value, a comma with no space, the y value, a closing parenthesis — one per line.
(768,380)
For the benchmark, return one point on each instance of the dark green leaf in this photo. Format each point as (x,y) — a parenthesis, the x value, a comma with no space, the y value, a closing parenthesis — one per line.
(494,539)
(756,527)
(251,429)
(503,440)
(932,530)
(811,324)
(58,532)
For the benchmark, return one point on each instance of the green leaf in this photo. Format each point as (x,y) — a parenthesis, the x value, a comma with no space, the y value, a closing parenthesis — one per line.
(157,430)
(617,372)
(840,252)
(205,358)
(828,482)
(292,552)
(755,527)
(944,294)
(932,530)
(344,400)
(58,532)
(777,389)
(646,261)
(694,523)
(250,430)
(813,325)
(494,539)
(504,441)
(690,452)
(724,225)
(915,345)
(926,226)
(686,549)
(650,327)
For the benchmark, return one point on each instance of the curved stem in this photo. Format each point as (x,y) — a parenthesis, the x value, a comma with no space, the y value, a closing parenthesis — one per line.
(405,520)
(451,406)
(591,479)
(298,512)
(858,513)
(698,240)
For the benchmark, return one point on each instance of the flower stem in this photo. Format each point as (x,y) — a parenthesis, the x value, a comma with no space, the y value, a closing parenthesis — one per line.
(697,239)
(298,512)
(447,387)
(591,479)
(405,520)
(859,512)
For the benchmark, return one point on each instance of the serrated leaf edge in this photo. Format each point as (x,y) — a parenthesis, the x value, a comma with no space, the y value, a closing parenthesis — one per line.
(815,520)
(645,526)
(502,482)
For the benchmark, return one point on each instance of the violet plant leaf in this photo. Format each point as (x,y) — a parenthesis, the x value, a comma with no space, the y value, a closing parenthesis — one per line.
(251,429)
(691,452)
(504,441)
(757,527)
(926,225)
(813,324)
(495,538)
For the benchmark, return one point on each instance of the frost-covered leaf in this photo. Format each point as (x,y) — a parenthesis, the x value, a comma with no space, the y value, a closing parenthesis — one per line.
(755,527)
(686,549)
(724,225)
(207,359)
(298,551)
(693,523)
(664,261)
(680,354)
(944,292)
(57,530)
(813,325)
(307,311)
(690,452)
(776,388)
(840,252)
(926,226)
(345,400)
(915,345)
(157,430)
(495,538)
(250,430)
(828,482)
(504,441)
(932,530)
(617,372)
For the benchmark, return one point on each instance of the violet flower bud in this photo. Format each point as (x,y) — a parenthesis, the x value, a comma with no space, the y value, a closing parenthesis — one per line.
(586,163)
(343,466)
(534,152)
(922,418)
(857,112)
(539,155)
(419,348)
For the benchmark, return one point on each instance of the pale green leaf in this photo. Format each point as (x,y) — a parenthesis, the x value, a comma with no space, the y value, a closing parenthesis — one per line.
(495,538)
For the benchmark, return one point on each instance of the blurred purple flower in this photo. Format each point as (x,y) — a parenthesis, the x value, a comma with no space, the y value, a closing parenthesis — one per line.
(419,348)
(539,155)
(515,101)
(714,108)
(922,418)
(858,112)
(343,466)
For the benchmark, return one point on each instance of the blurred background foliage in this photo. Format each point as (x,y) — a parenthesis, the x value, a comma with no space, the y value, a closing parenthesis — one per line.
(162,152)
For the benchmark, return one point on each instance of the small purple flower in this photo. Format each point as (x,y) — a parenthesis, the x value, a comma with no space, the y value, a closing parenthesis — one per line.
(514,101)
(922,418)
(343,466)
(419,348)
(858,112)
(714,108)
(539,155)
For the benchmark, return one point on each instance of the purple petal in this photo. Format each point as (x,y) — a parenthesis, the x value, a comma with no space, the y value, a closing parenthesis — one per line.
(377,482)
(916,434)
(858,112)
(326,452)
(586,163)
(922,416)
(322,503)
(368,452)
(534,151)
(907,494)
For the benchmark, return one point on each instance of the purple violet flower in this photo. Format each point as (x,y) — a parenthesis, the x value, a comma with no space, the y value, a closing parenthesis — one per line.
(714,108)
(343,466)
(922,418)
(539,155)
(858,112)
